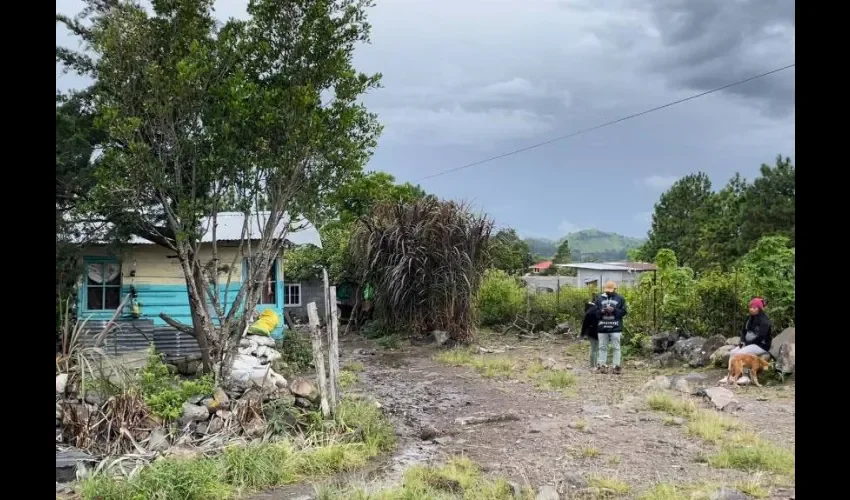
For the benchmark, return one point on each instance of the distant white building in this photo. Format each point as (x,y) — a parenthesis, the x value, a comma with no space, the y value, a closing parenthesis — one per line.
(597,273)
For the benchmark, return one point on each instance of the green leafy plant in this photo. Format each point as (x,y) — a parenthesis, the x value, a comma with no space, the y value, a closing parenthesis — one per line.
(165,393)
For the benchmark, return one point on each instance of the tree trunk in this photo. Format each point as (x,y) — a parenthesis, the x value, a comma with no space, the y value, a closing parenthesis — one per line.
(204,329)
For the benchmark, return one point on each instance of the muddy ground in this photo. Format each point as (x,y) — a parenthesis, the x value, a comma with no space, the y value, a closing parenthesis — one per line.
(548,441)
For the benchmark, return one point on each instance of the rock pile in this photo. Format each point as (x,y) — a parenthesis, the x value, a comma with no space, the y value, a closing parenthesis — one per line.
(252,367)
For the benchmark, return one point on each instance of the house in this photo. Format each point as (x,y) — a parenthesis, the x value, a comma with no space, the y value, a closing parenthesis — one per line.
(153,274)
(540,267)
(595,274)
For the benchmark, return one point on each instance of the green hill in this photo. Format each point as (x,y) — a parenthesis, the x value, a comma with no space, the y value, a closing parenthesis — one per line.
(587,245)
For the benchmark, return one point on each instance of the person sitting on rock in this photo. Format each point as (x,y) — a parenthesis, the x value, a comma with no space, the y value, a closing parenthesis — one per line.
(589,330)
(611,309)
(755,336)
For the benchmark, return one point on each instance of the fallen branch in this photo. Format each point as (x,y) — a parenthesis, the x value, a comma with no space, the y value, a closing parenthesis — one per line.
(188,330)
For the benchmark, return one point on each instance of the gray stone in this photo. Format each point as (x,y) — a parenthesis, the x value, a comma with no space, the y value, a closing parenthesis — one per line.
(259,340)
(303,403)
(440,337)
(94,398)
(158,440)
(571,481)
(563,328)
(723,399)
(728,494)
(663,341)
(516,490)
(720,357)
(712,344)
(195,399)
(688,384)
(659,383)
(61,383)
(665,360)
(193,413)
(303,388)
(733,341)
(547,492)
(551,364)
(788,336)
(786,360)
(68,462)
(684,349)
(428,433)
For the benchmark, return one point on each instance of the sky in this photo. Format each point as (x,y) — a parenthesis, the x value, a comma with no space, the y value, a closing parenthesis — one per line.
(466,80)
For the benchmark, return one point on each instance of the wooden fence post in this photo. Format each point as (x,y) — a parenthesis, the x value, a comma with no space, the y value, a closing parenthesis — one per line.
(333,350)
(318,357)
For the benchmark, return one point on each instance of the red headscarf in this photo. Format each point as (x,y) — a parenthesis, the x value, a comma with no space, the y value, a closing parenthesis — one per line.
(758,303)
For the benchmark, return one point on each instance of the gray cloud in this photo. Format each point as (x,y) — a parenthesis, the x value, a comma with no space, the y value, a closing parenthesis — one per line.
(467,80)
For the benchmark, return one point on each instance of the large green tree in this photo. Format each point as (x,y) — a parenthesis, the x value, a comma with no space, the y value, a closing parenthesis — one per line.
(769,205)
(564,254)
(678,217)
(261,112)
(510,253)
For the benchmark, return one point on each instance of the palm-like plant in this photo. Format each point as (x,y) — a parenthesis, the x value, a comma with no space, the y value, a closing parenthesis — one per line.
(426,260)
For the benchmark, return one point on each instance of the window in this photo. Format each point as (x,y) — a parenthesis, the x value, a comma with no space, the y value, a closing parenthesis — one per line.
(292,294)
(103,285)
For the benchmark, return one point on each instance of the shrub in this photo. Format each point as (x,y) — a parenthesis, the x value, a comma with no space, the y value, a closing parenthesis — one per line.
(165,393)
(500,298)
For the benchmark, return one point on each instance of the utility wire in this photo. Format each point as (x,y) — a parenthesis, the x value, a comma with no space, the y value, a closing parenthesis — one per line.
(606,124)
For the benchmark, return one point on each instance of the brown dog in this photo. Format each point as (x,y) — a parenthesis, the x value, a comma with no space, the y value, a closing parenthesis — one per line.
(741,361)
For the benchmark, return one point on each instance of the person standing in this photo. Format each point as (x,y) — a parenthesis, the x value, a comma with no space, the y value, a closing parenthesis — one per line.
(589,330)
(611,309)
(756,335)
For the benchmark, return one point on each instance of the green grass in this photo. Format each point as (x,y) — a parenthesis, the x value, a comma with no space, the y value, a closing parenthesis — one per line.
(255,466)
(488,366)
(556,379)
(388,342)
(354,367)
(347,379)
(589,452)
(756,455)
(702,491)
(458,479)
(616,486)
(738,449)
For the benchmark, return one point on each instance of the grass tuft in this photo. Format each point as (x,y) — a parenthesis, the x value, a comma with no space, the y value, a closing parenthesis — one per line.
(616,486)
(758,456)
(488,366)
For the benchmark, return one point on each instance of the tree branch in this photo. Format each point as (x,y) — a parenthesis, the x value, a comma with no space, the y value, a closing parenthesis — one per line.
(178,325)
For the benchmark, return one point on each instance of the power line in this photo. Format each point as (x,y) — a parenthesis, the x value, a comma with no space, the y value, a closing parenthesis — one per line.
(606,124)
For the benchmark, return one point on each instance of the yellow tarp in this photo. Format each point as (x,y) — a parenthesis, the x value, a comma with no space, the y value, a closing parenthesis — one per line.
(267,322)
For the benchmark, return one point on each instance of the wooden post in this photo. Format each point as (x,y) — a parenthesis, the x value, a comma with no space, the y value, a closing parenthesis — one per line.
(333,351)
(327,296)
(318,357)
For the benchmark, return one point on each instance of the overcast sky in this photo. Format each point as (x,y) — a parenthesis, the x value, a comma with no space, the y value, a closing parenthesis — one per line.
(465,80)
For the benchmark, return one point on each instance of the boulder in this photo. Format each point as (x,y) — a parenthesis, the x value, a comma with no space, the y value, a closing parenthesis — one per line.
(551,364)
(788,336)
(158,440)
(69,462)
(720,357)
(663,341)
(686,349)
(219,401)
(440,337)
(701,355)
(733,341)
(547,492)
(723,399)
(193,413)
(659,383)
(665,360)
(688,384)
(563,328)
(303,388)
(570,482)
(786,359)
(61,383)
(725,493)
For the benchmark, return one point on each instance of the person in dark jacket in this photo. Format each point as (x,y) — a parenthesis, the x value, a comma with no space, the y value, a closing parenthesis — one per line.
(611,309)
(589,330)
(756,334)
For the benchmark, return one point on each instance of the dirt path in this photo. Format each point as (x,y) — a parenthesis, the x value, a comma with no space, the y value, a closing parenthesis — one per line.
(600,428)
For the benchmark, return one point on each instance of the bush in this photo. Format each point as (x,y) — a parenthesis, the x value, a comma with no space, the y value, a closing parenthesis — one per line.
(500,298)
(296,352)
(165,393)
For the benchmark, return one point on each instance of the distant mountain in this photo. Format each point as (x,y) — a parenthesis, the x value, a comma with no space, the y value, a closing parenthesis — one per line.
(587,245)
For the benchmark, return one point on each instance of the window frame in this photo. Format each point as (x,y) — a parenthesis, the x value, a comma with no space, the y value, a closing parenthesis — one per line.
(278,281)
(300,289)
(87,261)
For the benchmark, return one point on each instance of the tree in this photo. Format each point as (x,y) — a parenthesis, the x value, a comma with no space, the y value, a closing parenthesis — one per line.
(261,112)
(564,254)
(720,229)
(509,253)
(677,218)
(769,205)
(354,199)
(770,268)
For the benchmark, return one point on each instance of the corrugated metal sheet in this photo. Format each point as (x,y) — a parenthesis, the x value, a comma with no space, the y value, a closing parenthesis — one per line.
(229,228)
(135,335)
(609,266)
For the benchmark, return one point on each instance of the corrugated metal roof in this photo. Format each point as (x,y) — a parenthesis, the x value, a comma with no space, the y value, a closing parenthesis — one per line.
(612,266)
(229,228)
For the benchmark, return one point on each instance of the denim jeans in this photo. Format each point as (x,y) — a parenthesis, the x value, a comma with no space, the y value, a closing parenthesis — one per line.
(614,338)
(594,351)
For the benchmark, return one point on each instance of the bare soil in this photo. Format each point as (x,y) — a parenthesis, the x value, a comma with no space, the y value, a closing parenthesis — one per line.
(556,432)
